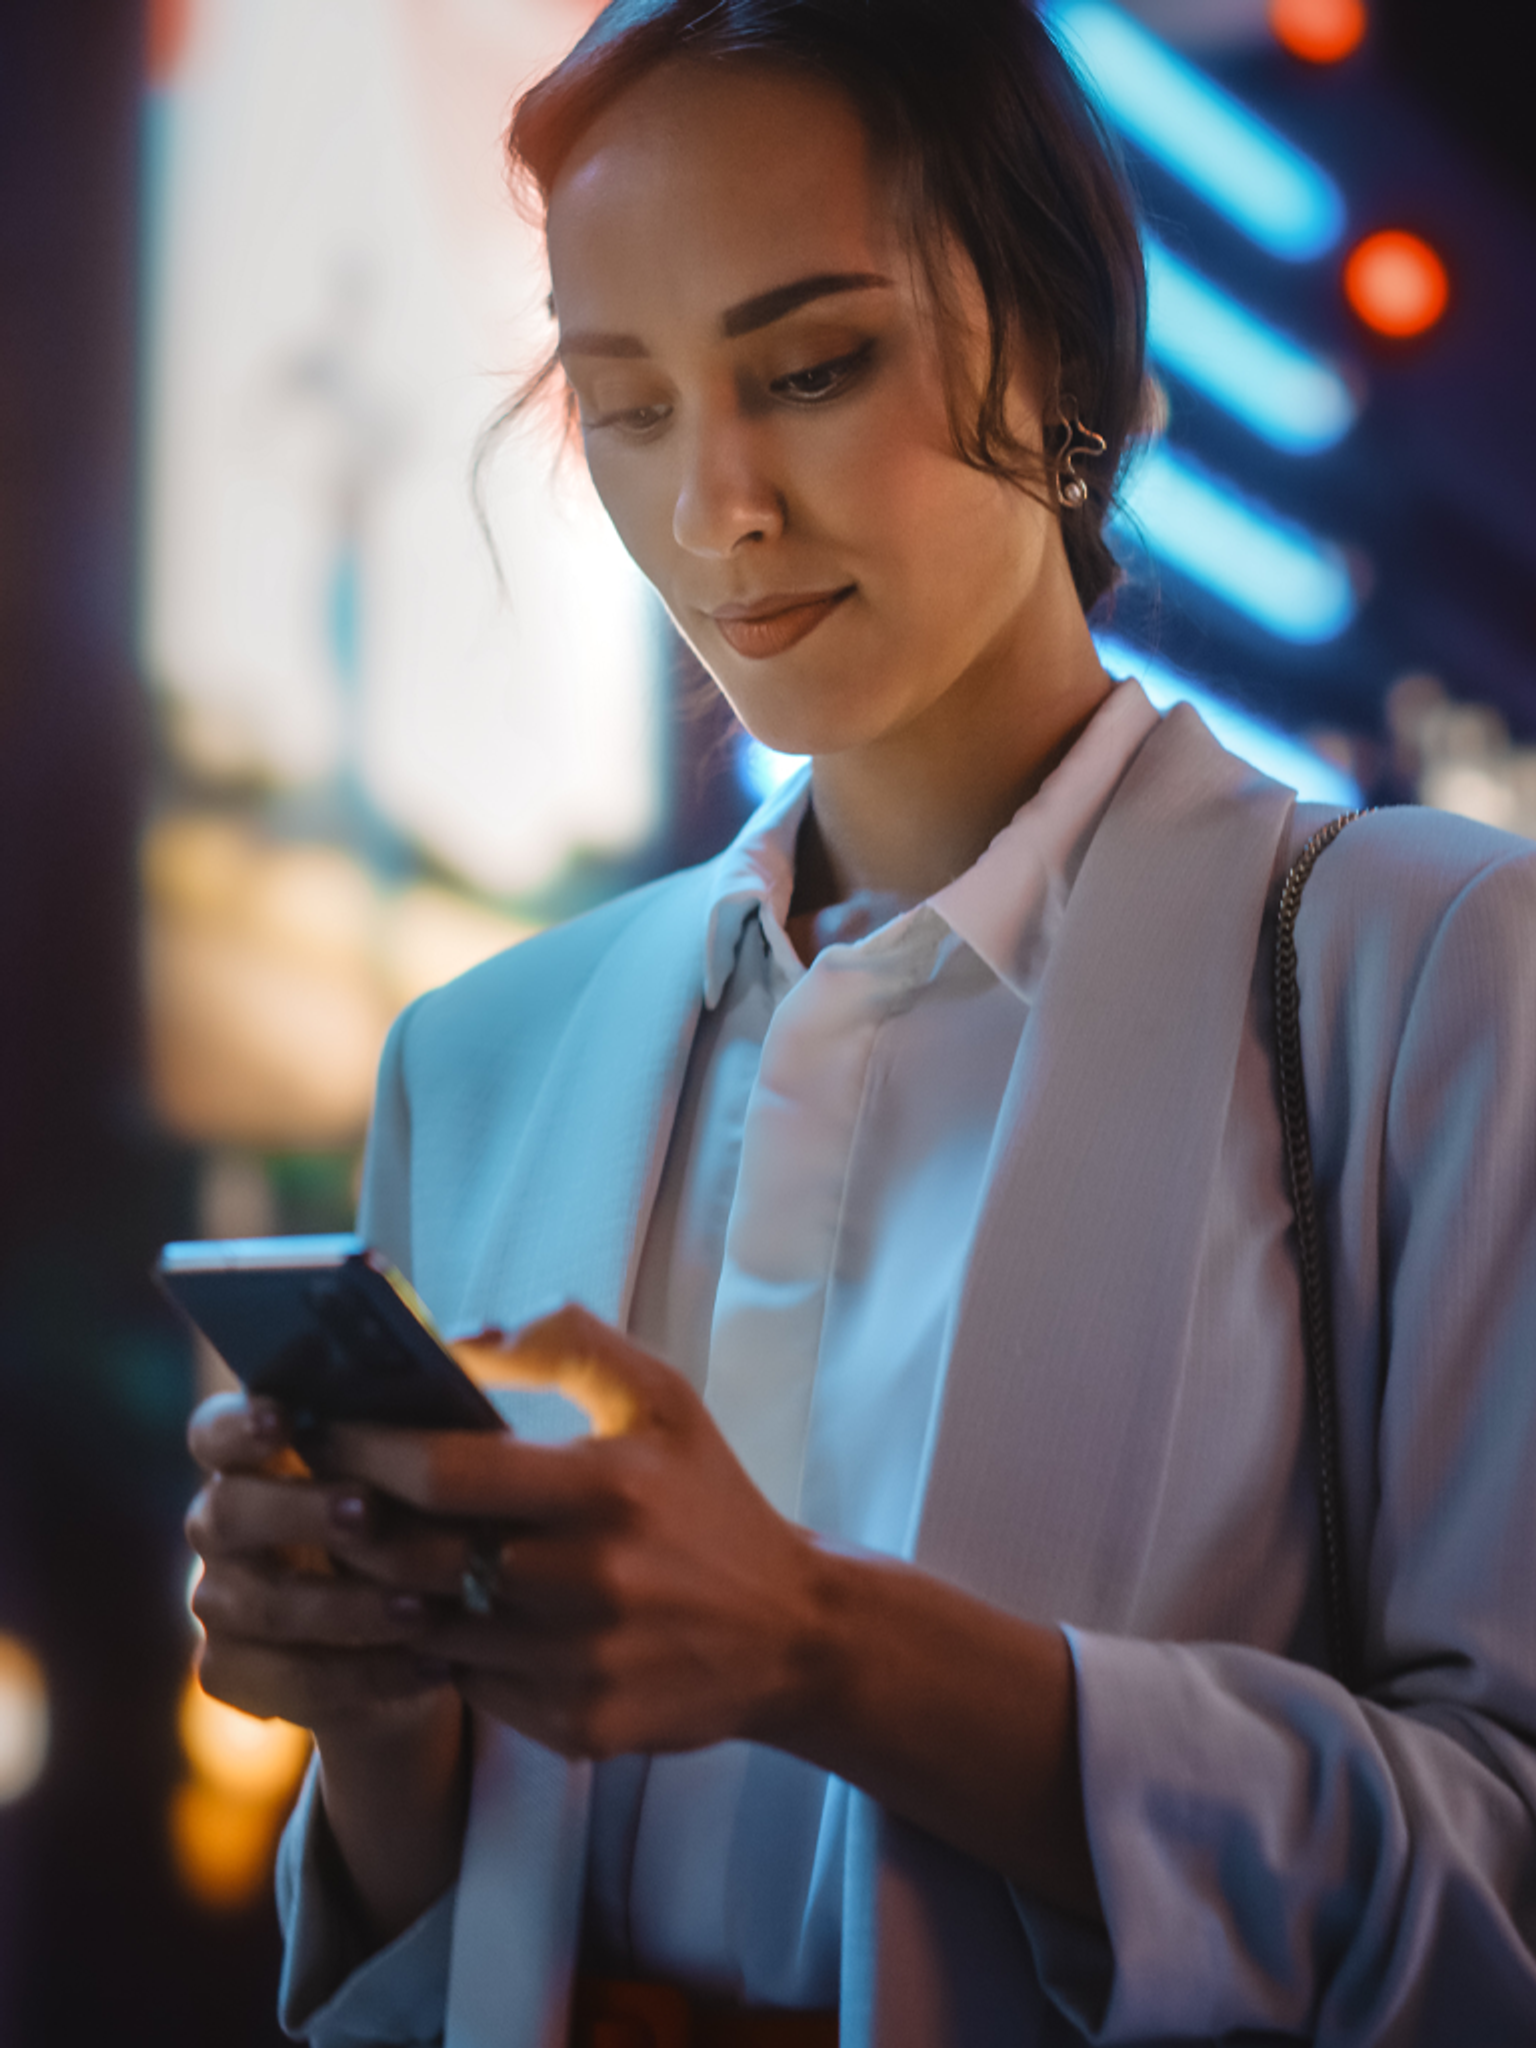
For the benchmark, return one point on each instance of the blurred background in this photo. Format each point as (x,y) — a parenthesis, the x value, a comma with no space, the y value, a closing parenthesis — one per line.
(284,739)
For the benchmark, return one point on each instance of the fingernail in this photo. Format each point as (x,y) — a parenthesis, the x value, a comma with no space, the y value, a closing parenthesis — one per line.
(265,1423)
(350,1511)
(406,1606)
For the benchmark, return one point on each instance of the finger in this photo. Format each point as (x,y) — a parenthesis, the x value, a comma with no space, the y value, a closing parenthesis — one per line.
(549,1583)
(245,1513)
(545,1716)
(489,1474)
(546,1594)
(400,1550)
(235,1432)
(477,1474)
(567,1704)
(621,1387)
(624,1387)
(536,1582)
(314,1686)
(544,1658)
(249,1602)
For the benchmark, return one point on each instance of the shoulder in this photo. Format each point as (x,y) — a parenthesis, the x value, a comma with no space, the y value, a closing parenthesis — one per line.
(1419,854)
(1399,886)
(1416,966)
(521,999)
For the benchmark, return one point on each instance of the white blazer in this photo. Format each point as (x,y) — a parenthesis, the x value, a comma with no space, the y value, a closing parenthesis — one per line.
(1275,1856)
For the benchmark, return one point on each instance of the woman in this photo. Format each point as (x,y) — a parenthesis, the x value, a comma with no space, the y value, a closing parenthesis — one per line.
(937,1647)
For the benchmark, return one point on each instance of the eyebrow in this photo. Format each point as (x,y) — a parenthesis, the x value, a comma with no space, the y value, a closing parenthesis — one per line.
(745,318)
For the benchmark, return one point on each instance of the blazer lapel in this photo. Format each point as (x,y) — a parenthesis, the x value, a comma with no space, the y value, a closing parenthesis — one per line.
(1064,1371)
(582,1174)
(568,1225)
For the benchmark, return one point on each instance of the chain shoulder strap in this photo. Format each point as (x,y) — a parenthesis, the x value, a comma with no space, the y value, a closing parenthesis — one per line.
(1317,1320)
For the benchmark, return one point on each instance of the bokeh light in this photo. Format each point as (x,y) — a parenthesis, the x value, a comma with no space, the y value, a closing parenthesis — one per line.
(1271,569)
(222,1844)
(272,971)
(224,1818)
(1200,133)
(1319,31)
(1288,394)
(23,1720)
(1395,283)
(236,1752)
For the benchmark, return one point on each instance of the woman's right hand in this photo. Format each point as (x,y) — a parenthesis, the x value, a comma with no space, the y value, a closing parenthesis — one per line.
(288,1635)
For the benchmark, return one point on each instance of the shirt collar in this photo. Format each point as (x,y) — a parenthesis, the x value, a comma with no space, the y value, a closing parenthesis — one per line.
(756,871)
(1007,906)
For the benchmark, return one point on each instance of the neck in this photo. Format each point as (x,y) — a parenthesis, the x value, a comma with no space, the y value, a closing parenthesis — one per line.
(903,817)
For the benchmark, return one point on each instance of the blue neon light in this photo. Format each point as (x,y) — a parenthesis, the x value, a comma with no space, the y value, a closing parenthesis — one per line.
(1282,576)
(760,770)
(1271,751)
(1277,388)
(1219,148)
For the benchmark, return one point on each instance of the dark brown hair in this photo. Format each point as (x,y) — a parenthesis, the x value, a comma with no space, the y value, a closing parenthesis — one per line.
(992,143)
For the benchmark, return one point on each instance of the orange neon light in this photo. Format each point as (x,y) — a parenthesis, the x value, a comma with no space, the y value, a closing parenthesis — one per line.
(168,28)
(1320,31)
(1396,283)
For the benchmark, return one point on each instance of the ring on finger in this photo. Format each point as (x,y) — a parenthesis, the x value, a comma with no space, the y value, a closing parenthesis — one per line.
(480,1582)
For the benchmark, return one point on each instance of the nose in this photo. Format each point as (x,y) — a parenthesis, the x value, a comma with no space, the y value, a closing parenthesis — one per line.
(726,495)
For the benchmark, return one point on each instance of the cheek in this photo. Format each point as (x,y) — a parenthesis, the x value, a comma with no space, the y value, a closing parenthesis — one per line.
(636,498)
(891,485)
(962,548)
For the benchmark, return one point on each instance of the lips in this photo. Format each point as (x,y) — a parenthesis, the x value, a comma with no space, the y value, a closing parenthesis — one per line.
(772,625)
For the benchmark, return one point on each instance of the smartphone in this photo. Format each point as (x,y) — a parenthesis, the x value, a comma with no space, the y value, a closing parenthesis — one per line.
(326,1327)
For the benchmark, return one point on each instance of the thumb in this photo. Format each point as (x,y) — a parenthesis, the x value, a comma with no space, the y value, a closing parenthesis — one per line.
(576,1355)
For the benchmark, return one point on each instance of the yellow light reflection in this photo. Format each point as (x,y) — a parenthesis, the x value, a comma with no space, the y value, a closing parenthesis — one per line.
(236,1752)
(272,974)
(23,1720)
(222,1844)
(224,1819)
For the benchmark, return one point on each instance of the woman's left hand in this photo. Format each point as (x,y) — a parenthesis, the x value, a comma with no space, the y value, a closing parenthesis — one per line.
(645,1596)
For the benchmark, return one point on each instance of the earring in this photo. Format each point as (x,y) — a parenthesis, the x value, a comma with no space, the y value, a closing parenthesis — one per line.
(1081,443)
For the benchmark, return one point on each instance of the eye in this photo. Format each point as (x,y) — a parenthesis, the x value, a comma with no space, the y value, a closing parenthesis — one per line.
(633,419)
(822,380)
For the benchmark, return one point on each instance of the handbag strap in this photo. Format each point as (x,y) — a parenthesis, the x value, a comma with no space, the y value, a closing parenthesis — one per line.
(1316,1317)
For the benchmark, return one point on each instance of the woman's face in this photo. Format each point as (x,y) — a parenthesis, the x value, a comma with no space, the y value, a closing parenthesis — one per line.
(763,409)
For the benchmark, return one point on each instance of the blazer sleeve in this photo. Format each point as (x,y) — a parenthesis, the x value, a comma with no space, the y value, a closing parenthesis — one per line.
(1273,1853)
(333,1993)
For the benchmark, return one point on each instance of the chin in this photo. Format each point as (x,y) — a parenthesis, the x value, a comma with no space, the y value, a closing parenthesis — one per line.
(789,729)
(808,716)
